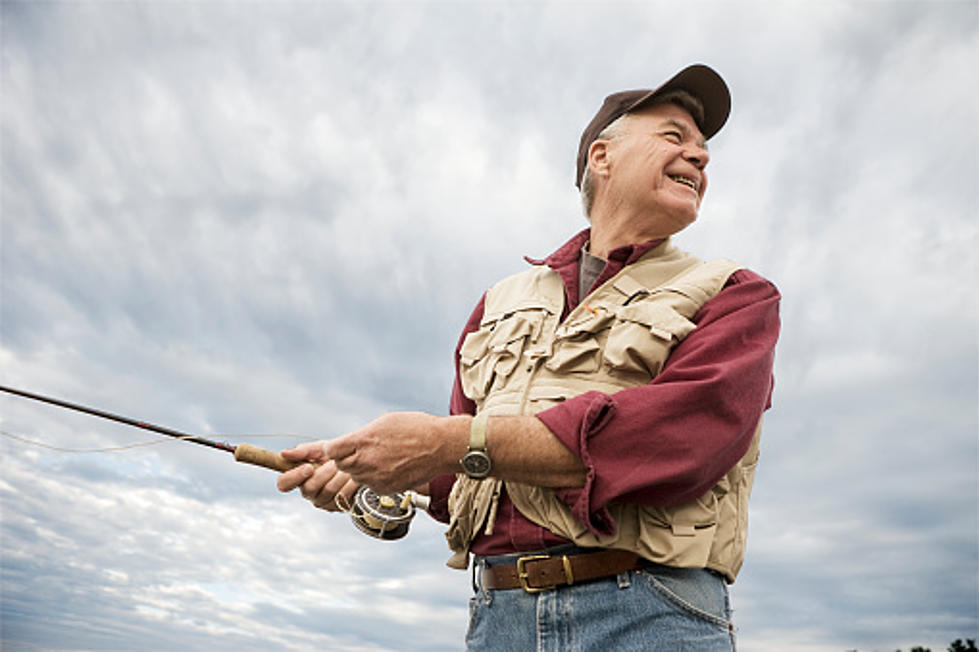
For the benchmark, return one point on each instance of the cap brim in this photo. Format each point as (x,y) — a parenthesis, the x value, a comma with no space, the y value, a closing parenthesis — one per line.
(703,83)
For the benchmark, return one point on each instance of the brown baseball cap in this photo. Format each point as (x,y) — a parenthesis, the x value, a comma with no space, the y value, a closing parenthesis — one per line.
(699,80)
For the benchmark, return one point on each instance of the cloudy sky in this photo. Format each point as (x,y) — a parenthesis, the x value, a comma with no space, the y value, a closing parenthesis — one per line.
(274,218)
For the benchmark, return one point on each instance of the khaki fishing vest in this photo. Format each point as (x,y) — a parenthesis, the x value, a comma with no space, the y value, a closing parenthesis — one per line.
(524,359)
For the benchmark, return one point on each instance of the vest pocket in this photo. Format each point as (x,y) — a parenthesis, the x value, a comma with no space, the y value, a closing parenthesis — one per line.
(681,535)
(577,348)
(495,350)
(643,337)
(687,518)
(580,355)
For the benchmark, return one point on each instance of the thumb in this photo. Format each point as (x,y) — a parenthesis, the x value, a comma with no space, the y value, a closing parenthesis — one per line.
(312,452)
(337,449)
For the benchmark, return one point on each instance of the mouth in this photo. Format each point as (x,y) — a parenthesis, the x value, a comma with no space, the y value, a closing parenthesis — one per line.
(686,181)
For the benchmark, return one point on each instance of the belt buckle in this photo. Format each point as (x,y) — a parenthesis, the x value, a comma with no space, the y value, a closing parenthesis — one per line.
(523,575)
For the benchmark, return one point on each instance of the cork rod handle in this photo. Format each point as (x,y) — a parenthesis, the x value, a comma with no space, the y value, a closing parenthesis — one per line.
(261,457)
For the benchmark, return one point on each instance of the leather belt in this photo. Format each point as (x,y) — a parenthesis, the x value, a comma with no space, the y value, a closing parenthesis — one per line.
(535,573)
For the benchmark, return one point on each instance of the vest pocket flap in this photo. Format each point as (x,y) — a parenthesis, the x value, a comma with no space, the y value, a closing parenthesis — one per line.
(474,346)
(507,331)
(685,519)
(642,338)
(663,321)
(494,338)
(589,320)
(530,306)
(577,355)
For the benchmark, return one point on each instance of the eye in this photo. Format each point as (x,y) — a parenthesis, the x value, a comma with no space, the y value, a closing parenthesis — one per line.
(673,136)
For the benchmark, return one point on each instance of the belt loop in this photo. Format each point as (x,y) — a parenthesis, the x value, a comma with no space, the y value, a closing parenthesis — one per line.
(624,579)
(568,575)
(480,592)
(476,570)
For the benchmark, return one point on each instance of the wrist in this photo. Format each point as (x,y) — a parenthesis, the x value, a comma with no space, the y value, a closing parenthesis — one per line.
(476,463)
(454,435)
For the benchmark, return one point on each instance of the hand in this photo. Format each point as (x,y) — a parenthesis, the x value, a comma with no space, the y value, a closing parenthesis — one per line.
(319,481)
(400,450)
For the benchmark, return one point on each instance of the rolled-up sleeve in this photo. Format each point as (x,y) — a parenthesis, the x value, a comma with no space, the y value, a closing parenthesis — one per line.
(671,440)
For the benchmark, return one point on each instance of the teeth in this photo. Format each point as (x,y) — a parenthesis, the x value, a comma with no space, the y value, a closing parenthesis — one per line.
(685,181)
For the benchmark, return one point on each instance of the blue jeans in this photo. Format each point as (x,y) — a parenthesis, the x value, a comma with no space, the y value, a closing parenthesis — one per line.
(655,608)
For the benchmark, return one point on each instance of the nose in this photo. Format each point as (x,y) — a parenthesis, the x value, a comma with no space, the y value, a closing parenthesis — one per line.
(698,155)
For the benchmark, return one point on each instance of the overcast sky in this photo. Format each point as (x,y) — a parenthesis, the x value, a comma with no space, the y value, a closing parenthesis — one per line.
(251,218)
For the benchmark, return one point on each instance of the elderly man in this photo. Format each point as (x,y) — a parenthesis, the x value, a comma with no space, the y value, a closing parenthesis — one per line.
(606,410)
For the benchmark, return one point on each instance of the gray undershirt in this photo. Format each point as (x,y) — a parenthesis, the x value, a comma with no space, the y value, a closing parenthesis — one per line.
(589,267)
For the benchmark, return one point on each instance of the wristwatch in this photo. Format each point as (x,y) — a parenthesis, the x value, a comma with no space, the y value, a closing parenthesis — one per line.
(476,462)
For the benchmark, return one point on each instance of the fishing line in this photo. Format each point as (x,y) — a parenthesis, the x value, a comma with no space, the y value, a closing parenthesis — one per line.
(380,516)
(61,449)
(155,442)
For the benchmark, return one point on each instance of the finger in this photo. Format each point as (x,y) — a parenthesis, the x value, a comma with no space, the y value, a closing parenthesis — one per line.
(294,477)
(313,487)
(338,493)
(312,452)
(346,494)
(336,483)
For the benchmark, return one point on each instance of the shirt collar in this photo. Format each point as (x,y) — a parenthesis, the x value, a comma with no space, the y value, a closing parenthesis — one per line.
(570,252)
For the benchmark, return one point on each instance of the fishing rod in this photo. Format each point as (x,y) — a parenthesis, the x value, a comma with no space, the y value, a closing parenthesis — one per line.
(380,516)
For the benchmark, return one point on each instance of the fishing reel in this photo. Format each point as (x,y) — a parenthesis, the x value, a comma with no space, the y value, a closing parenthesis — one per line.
(385,516)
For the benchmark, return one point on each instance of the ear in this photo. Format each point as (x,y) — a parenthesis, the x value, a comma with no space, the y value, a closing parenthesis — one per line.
(599,158)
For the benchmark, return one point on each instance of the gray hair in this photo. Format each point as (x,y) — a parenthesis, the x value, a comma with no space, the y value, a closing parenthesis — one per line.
(617,127)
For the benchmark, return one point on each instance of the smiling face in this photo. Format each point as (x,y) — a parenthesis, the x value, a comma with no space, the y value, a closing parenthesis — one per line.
(653,170)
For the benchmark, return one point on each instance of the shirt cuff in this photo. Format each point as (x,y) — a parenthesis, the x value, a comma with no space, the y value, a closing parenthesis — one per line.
(574,422)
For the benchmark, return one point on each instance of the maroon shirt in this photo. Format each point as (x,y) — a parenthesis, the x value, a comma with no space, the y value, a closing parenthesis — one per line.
(659,444)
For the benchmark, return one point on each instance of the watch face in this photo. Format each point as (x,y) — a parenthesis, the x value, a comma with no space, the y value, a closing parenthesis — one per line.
(476,464)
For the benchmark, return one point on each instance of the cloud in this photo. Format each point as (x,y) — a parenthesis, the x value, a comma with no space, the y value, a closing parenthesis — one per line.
(275,219)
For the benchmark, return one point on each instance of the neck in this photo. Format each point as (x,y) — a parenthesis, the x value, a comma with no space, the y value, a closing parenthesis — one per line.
(614,226)
(605,237)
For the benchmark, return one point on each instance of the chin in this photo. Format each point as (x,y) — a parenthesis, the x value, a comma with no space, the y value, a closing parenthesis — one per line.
(682,222)
(679,228)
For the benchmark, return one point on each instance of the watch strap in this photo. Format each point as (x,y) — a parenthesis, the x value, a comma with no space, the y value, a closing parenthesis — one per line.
(477,432)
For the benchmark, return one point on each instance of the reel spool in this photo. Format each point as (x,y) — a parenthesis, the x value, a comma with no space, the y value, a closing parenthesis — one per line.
(384,517)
